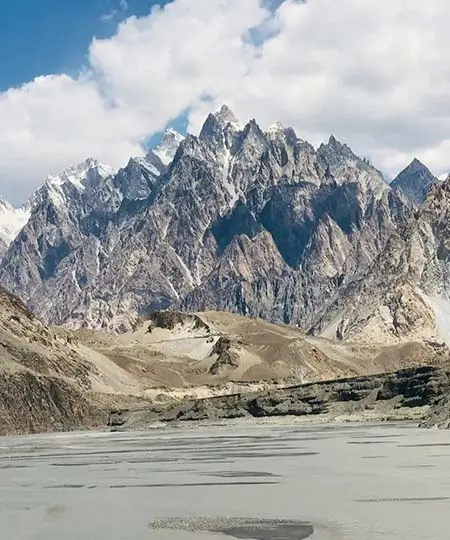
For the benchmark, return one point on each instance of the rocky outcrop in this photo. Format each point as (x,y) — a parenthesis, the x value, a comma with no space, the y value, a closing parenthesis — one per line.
(400,391)
(416,182)
(168,320)
(33,403)
(44,384)
(226,357)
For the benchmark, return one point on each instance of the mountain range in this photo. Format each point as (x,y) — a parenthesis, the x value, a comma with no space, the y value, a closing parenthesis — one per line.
(253,221)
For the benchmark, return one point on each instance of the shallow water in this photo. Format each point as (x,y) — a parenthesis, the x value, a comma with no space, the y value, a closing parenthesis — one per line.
(283,482)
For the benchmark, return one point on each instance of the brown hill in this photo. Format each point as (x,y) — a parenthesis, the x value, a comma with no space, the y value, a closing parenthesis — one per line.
(58,379)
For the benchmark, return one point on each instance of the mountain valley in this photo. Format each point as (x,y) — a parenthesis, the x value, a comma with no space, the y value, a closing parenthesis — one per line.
(237,262)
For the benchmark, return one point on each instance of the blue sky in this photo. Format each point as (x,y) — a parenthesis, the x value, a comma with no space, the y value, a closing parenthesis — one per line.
(42,37)
(45,37)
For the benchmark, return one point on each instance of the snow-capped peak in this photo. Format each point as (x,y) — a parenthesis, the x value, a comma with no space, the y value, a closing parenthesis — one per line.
(226,116)
(275,128)
(77,174)
(168,146)
(12,220)
(80,176)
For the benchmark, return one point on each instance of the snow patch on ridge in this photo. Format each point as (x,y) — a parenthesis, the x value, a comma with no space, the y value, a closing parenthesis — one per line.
(275,128)
(168,147)
(188,273)
(77,174)
(229,186)
(12,220)
(227,117)
(147,165)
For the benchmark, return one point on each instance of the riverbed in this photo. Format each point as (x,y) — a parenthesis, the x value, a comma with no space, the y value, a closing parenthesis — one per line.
(282,482)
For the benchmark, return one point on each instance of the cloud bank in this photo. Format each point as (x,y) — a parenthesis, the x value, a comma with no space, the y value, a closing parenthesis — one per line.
(376,74)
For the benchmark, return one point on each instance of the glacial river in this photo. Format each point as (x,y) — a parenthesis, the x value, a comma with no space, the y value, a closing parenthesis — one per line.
(267,482)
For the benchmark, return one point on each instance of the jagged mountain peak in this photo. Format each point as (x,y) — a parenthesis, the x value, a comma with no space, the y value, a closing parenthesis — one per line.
(169,144)
(218,123)
(342,165)
(278,130)
(77,174)
(151,166)
(58,189)
(334,146)
(277,127)
(416,166)
(252,127)
(164,153)
(226,116)
(438,196)
(172,134)
(332,141)
(340,153)
(416,181)
(157,235)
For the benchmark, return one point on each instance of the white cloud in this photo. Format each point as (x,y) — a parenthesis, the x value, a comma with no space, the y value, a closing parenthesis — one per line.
(166,62)
(374,73)
(123,5)
(54,121)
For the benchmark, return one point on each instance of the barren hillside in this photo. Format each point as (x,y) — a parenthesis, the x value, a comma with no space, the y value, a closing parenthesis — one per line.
(58,379)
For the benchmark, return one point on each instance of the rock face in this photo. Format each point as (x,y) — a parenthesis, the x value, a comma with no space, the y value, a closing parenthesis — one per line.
(44,383)
(415,181)
(396,395)
(239,219)
(404,294)
(226,357)
(37,404)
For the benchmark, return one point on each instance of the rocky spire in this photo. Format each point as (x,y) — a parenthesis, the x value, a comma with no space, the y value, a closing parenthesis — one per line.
(226,116)
(415,181)
(165,151)
(217,123)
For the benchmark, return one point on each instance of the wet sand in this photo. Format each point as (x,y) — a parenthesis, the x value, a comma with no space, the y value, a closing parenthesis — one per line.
(262,482)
